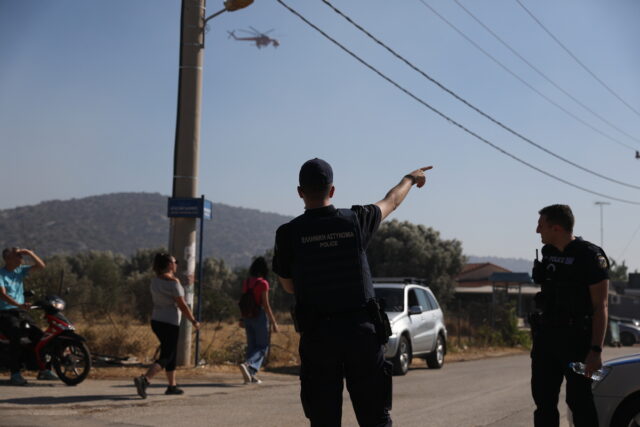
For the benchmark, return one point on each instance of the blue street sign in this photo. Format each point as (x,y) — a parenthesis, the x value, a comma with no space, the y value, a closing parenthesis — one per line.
(189,208)
(207,210)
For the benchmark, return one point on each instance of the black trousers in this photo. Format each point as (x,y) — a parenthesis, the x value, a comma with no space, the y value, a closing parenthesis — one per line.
(339,349)
(553,349)
(168,336)
(11,326)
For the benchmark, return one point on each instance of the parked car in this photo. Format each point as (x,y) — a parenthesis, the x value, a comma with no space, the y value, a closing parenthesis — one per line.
(417,323)
(629,331)
(617,395)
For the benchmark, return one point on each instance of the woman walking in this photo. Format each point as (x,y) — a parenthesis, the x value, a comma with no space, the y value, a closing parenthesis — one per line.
(257,327)
(168,303)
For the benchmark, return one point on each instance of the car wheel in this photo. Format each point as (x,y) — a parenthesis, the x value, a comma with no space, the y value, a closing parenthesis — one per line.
(435,360)
(402,359)
(628,414)
(627,339)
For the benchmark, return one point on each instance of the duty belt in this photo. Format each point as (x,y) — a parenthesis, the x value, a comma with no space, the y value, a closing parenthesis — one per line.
(341,314)
(564,321)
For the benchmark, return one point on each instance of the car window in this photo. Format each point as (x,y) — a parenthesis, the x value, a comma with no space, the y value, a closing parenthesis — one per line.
(393,298)
(432,301)
(422,300)
(413,300)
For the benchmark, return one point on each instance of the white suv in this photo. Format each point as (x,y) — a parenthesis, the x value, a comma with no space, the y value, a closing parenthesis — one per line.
(417,323)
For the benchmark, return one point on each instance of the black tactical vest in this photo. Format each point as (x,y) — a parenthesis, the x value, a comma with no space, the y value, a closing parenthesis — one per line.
(330,269)
(565,289)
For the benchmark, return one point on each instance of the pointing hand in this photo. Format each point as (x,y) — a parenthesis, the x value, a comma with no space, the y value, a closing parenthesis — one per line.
(419,175)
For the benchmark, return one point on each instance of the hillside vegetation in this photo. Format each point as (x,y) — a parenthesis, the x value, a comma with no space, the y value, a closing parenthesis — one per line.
(125,222)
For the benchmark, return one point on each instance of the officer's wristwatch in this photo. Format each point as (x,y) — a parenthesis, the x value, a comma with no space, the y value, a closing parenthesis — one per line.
(596,348)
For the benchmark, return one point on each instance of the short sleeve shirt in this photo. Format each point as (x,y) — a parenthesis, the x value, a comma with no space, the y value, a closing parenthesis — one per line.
(369,218)
(581,262)
(258,285)
(13,284)
(163,294)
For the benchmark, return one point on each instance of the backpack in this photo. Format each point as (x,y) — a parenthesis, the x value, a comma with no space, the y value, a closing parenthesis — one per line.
(247,304)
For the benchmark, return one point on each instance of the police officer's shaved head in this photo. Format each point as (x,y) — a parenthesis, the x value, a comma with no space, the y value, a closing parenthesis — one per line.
(316,178)
(559,215)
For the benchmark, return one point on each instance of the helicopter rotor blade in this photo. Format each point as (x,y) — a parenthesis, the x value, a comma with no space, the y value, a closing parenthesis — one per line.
(267,32)
(256,31)
(246,31)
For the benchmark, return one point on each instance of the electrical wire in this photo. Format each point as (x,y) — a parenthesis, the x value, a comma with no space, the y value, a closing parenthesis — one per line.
(633,236)
(575,58)
(473,107)
(444,116)
(533,67)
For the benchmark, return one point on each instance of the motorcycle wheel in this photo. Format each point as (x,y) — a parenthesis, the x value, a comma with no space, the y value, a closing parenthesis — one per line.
(73,363)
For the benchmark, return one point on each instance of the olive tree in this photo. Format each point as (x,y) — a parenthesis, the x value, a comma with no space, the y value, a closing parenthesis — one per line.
(409,250)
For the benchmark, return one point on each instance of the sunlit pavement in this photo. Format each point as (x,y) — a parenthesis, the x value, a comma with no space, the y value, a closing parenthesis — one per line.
(490,392)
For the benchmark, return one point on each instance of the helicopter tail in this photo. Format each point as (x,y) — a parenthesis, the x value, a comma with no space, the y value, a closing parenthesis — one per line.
(232,34)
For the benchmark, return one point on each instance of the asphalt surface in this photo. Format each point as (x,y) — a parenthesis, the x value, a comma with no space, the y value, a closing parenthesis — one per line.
(491,392)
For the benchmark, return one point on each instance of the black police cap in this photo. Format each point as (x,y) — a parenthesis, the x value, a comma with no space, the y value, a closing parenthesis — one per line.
(315,173)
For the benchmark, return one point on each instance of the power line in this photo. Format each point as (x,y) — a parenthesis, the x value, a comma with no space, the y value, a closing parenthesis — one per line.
(444,116)
(575,58)
(633,236)
(533,67)
(473,107)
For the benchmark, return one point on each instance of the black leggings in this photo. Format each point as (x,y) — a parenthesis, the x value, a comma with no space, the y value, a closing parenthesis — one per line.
(168,336)
(11,325)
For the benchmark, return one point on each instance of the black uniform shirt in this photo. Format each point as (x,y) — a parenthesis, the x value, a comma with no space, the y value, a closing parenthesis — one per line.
(569,274)
(581,263)
(369,217)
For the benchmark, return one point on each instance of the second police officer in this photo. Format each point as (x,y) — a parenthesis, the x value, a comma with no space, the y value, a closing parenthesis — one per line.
(320,257)
(574,277)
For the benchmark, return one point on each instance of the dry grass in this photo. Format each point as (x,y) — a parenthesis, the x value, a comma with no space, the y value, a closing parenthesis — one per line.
(221,343)
(222,347)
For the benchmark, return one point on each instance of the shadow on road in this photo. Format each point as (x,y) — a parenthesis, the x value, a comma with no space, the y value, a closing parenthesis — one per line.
(285,370)
(181,385)
(49,400)
(105,397)
(29,384)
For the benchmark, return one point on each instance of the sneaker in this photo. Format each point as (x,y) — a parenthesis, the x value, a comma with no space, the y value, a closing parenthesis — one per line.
(173,389)
(245,373)
(17,379)
(255,380)
(47,375)
(141,384)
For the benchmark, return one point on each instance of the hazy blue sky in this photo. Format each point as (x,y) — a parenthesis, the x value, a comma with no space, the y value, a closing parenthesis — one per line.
(88,105)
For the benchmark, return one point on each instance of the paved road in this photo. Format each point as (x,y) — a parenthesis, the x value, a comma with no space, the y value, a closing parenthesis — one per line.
(490,392)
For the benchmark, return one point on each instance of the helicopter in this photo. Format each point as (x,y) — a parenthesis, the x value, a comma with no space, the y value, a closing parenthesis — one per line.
(261,39)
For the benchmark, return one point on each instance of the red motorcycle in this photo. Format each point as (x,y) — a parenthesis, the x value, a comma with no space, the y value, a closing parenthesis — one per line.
(59,346)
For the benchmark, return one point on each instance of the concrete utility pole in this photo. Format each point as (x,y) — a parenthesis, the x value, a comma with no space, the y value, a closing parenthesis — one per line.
(182,234)
(601,204)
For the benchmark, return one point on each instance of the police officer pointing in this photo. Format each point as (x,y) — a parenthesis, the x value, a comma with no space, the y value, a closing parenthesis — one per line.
(320,257)
(573,275)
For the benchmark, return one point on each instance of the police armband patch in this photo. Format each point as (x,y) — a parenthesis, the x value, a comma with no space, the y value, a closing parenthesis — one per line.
(602,262)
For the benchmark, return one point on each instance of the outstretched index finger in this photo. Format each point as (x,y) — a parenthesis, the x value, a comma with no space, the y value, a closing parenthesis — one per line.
(426,168)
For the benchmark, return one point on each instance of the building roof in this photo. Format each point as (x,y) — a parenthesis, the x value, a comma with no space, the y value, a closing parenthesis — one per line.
(477,274)
(510,278)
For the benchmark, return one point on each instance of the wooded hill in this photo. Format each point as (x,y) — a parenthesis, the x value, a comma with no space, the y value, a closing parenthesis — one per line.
(125,222)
